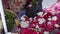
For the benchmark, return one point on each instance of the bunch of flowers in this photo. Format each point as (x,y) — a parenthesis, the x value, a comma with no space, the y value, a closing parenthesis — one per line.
(43,23)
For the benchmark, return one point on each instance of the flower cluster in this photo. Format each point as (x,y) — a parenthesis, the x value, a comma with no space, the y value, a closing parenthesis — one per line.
(44,22)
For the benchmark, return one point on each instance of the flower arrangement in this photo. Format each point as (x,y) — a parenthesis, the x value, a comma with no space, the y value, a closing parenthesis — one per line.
(44,22)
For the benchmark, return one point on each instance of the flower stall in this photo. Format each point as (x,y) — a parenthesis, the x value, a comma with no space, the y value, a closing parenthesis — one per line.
(29,17)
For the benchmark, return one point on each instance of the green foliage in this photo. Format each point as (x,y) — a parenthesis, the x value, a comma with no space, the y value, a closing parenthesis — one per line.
(10,19)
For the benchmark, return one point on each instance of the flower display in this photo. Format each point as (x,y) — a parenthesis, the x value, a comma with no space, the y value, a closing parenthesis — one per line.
(44,22)
(32,19)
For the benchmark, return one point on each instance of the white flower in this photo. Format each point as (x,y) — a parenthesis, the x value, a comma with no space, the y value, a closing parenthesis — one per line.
(22,18)
(37,26)
(30,19)
(34,17)
(49,23)
(27,21)
(56,25)
(24,24)
(49,18)
(41,20)
(54,18)
(40,14)
(46,32)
